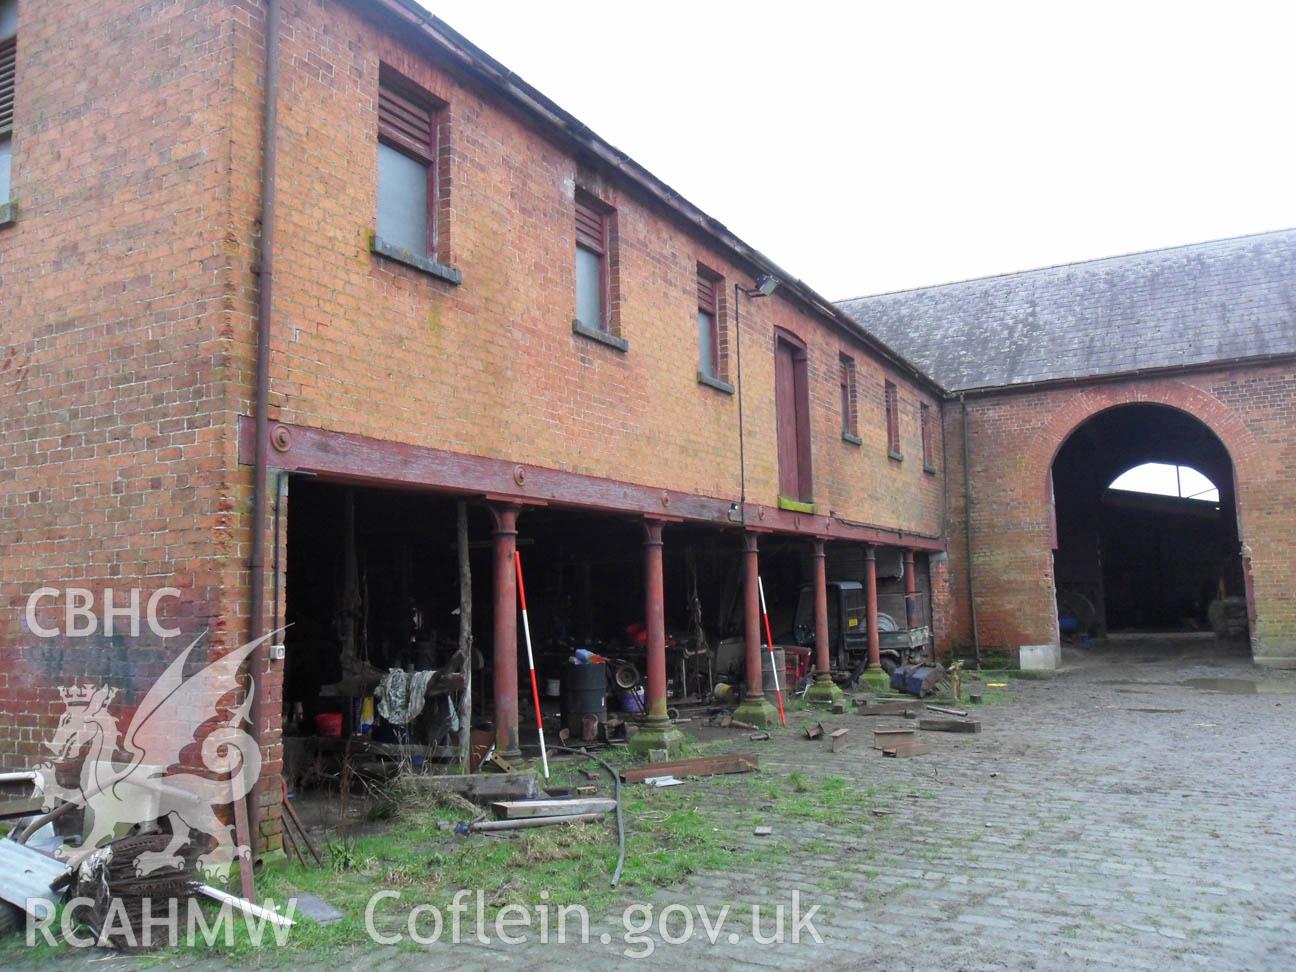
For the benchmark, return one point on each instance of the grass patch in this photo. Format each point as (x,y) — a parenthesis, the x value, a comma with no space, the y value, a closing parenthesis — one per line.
(415,852)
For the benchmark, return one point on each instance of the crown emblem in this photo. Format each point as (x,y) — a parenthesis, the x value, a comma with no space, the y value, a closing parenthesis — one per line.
(83,694)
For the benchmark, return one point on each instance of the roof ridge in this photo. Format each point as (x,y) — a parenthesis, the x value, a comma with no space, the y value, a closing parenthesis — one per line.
(1200,245)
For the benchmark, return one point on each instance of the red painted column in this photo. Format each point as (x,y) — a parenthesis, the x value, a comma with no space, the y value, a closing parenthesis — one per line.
(870,594)
(823,658)
(655,619)
(752,619)
(913,617)
(506,615)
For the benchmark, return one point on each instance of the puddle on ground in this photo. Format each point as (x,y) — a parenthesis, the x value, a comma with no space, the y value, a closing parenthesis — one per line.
(1239,686)
(1127,681)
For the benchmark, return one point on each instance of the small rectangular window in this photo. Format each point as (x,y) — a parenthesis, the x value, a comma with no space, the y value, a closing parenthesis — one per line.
(892,420)
(849,399)
(928,446)
(407,167)
(8,74)
(591,266)
(708,326)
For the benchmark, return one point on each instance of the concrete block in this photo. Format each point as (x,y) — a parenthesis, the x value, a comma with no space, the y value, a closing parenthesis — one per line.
(1039,657)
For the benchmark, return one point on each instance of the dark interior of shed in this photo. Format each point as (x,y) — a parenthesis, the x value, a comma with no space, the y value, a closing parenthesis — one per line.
(1139,562)
(372,583)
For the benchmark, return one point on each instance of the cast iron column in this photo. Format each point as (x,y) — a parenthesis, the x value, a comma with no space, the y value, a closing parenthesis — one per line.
(823,691)
(506,615)
(655,618)
(657,733)
(870,595)
(823,659)
(755,689)
(913,618)
(754,709)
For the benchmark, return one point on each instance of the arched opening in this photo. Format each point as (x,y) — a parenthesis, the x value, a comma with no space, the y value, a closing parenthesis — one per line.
(1145,529)
(1166,479)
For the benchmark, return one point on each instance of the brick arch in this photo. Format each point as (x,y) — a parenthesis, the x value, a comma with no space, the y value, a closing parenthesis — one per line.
(1227,426)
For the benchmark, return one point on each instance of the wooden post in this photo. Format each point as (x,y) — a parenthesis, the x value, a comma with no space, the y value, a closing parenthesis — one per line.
(465,635)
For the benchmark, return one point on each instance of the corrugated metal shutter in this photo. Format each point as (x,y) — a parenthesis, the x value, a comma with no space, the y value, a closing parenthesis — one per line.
(405,122)
(8,68)
(590,227)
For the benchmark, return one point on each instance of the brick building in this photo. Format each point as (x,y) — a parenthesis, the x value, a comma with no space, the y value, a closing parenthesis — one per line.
(271,309)
(1069,376)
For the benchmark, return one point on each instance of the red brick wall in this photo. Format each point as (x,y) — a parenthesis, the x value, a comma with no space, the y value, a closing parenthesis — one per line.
(1014,437)
(128,298)
(116,446)
(491,367)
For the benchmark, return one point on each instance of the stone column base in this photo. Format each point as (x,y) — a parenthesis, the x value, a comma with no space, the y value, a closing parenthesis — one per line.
(657,736)
(824,692)
(875,680)
(757,712)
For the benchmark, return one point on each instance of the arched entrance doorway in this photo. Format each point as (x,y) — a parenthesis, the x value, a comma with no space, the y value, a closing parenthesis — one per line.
(1146,528)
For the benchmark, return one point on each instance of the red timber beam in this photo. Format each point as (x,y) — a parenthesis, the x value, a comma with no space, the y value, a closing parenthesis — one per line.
(364,460)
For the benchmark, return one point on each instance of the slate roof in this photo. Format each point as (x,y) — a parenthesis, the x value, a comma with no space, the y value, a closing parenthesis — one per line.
(1189,305)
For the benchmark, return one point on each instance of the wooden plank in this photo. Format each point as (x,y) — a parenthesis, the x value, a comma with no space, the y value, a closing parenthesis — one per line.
(887,708)
(900,750)
(484,787)
(448,754)
(243,832)
(837,740)
(519,809)
(961,713)
(13,809)
(526,822)
(882,738)
(246,906)
(701,766)
(815,731)
(948,725)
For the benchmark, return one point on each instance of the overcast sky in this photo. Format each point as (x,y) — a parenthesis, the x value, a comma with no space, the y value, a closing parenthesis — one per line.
(882,146)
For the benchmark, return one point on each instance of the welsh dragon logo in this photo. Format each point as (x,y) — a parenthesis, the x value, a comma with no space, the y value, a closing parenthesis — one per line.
(117,794)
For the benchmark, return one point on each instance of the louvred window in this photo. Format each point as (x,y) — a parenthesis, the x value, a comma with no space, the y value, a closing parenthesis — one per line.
(8,67)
